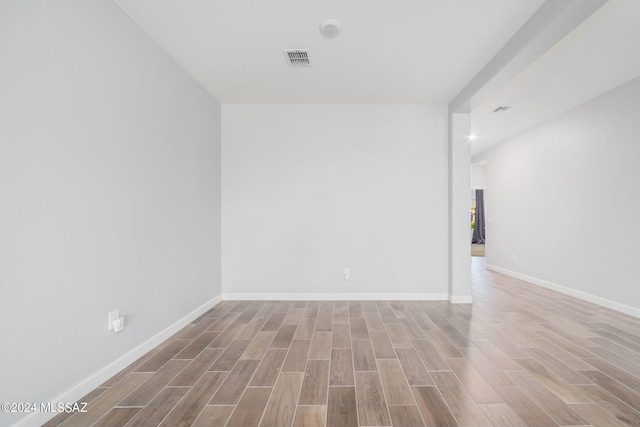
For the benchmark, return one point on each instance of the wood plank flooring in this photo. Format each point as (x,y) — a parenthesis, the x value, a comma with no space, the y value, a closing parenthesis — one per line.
(519,356)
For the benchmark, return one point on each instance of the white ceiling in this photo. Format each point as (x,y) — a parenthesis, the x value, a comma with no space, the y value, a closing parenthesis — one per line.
(600,54)
(400,51)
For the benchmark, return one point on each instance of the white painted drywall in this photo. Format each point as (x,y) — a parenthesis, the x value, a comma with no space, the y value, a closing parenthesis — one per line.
(565,198)
(479,176)
(308,190)
(459,178)
(109,192)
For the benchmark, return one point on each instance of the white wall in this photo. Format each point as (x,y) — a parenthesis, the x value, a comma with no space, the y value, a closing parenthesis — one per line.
(109,192)
(459,175)
(308,190)
(565,198)
(479,176)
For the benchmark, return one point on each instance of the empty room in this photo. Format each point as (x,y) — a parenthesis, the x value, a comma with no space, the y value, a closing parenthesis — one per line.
(255,213)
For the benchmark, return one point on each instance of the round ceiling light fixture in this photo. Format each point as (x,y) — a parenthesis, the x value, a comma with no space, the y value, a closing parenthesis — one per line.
(330,28)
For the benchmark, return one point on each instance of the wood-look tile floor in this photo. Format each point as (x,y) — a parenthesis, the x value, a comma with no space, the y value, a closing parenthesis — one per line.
(519,356)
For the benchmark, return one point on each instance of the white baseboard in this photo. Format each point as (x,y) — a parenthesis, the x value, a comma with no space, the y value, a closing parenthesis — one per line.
(334,296)
(460,299)
(96,379)
(631,311)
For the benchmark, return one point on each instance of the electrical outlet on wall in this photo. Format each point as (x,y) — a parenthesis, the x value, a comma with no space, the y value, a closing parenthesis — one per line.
(515,256)
(116,322)
(347,273)
(118,325)
(113,317)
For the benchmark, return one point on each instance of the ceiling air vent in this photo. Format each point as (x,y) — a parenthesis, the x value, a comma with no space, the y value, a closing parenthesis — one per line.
(502,108)
(297,57)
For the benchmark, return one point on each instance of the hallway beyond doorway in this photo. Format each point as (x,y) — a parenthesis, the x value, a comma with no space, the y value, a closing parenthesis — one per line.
(477,249)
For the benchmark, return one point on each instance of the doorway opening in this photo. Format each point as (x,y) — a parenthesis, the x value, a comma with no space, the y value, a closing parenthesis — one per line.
(478,187)
(477,223)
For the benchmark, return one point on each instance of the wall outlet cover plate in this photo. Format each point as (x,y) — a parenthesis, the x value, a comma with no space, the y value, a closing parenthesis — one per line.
(113,317)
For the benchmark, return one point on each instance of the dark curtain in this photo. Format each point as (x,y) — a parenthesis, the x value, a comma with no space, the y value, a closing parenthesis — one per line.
(478,231)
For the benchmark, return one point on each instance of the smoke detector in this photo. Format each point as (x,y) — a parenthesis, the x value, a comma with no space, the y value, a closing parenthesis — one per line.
(330,28)
(297,57)
(502,108)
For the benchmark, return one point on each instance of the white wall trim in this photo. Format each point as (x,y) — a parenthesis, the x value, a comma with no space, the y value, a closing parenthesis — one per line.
(460,299)
(335,296)
(631,311)
(96,379)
